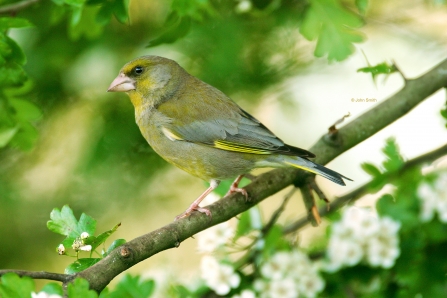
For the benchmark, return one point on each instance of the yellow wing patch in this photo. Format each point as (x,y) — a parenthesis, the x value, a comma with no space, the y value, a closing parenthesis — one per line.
(302,168)
(239,148)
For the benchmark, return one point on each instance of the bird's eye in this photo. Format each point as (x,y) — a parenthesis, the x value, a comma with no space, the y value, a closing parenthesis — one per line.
(138,70)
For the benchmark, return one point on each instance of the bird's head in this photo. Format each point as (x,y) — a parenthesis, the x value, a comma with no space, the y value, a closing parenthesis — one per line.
(148,78)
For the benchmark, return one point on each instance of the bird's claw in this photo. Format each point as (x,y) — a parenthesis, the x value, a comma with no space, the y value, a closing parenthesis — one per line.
(191,210)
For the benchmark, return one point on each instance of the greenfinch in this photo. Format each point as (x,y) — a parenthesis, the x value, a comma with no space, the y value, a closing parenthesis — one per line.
(199,129)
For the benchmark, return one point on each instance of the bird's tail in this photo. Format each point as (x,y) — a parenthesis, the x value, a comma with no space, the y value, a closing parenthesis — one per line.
(310,166)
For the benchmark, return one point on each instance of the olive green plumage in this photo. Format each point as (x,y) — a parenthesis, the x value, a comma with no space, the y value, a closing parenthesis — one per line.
(201,130)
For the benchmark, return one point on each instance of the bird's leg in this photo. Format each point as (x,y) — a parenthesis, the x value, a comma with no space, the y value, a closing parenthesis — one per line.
(234,187)
(195,205)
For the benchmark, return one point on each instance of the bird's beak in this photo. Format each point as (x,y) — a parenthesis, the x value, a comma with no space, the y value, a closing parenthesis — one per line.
(122,83)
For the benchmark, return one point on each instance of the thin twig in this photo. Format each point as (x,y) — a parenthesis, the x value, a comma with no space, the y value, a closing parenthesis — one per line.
(39,274)
(278,212)
(15,7)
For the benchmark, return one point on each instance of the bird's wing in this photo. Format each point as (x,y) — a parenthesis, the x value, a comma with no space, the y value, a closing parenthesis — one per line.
(224,125)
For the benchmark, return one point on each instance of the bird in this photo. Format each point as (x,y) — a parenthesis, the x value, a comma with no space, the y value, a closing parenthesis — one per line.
(199,129)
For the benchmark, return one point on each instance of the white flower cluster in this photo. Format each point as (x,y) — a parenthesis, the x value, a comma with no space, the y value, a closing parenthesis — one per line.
(288,275)
(361,236)
(218,276)
(434,199)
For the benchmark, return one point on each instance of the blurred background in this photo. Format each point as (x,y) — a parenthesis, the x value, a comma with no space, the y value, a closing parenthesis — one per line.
(86,151)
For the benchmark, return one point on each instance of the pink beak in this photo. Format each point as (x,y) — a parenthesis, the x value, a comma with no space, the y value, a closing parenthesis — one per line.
(122,83)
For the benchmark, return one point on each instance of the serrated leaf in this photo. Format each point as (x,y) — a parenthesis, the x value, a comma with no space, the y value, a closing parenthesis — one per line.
(79,288)
(81,264)
(371,169)
(9,22)
(394,160)
(86,224)
(333,25)
(62,221)
(133,287)
(12,285)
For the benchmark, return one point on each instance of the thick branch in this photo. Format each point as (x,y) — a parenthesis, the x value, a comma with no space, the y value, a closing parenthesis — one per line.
(359,192)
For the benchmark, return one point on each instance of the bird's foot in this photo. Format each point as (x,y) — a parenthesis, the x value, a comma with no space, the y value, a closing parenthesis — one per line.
(234,188)
(191,209)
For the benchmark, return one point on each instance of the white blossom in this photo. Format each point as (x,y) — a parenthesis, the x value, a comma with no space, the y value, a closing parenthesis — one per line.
(84,235)
(85,248)
(219,277)
(214,237)
(61,249)
(44,295)
(245,294)
(360,236)
(283,288)
(310,285)
(244,6)
(433,199)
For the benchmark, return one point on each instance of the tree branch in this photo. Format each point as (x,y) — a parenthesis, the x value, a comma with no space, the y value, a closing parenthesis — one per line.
(326,149)
(39,275)
(15,7)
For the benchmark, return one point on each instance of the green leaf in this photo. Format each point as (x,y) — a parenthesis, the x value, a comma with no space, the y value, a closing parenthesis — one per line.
(12,75)
(87,24)
(362,6)
(75,3)
(80,265)
(97,241)
(243,226)
(6,135)
(133,287)
(9,22)
(382,68)
(120,10)
(12,285)
(86,224)
(333,25)
(394,160)
(25,110)
(274,241)
(115,244)
(62,221)
(176,28)
(53,288)
(371,169)
(79,288)
(26,137)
